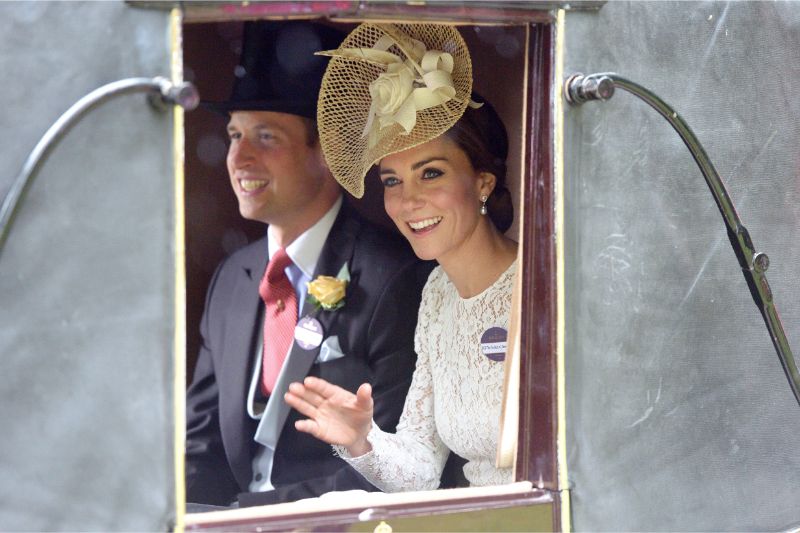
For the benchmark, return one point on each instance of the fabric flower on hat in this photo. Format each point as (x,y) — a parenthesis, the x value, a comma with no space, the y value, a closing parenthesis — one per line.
(421,81)
(390,97)
(387,88)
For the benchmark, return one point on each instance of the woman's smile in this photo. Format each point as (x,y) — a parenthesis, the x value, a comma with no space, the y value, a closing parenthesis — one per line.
(426,225)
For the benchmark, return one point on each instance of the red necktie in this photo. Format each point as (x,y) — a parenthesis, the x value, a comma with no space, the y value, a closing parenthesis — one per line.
(280,317)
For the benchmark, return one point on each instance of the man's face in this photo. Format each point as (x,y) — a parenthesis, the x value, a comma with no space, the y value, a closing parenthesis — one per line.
(276,175)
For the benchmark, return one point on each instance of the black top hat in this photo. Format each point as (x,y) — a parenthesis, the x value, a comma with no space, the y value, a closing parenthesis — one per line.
(278,70)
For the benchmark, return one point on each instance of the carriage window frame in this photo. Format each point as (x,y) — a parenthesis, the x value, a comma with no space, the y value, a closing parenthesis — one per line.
(537,453)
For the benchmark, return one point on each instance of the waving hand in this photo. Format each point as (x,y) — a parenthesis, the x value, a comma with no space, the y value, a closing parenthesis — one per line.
(335,415)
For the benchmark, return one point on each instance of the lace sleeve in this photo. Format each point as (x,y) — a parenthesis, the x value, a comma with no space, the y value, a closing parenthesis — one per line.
(414,457)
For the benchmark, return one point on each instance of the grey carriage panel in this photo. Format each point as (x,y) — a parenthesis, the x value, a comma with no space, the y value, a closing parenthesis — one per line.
(86,277)
(679,416)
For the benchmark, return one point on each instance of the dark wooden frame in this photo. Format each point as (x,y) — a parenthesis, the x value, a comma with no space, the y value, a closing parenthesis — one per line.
(537,449)
(537,457)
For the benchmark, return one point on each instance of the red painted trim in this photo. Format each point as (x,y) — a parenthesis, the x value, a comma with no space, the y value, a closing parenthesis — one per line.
(285,9)
(457,12)
(508,12)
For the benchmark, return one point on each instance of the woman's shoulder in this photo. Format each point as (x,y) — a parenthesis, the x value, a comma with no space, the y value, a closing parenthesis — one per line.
(437,280)
(505,282)
(435,289)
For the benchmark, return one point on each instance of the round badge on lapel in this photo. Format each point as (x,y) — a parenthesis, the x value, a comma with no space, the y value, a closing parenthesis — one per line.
(494,343)
(308,333)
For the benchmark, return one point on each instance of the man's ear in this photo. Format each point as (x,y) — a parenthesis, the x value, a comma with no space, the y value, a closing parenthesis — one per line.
(320,156)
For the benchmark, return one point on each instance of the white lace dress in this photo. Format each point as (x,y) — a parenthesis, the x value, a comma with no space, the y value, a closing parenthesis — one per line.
(455,396)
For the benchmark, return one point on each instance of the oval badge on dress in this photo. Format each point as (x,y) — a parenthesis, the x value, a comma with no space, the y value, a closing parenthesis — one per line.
(494,342)
(308,333)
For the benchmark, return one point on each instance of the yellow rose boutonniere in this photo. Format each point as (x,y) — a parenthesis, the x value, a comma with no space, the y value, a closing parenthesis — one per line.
(328,292)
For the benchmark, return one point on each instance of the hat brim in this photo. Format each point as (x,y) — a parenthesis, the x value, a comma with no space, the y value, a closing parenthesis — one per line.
(278,106)
(345,99)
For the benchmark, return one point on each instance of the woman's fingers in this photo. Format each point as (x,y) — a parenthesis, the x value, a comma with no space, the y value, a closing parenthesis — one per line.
(302,406)
(321,387)
(317,392)
(328,404)
(326,391)
(306,394)
(364,397)
(307,426)
(334,415)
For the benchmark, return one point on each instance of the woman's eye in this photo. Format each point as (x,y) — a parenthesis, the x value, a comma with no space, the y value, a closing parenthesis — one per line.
(391,181)
(431,173)
(234,135)
(265,136)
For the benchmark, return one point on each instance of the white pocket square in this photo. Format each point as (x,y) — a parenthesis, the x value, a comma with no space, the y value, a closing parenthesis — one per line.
(330,350)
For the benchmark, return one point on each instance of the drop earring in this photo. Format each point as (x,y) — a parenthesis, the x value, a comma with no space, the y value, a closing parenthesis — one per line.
(483,204)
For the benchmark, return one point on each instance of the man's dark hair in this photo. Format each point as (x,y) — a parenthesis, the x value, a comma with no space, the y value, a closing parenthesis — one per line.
(312,133)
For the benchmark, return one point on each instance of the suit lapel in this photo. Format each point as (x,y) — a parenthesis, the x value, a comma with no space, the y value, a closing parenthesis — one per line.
(243,331)
(337,251)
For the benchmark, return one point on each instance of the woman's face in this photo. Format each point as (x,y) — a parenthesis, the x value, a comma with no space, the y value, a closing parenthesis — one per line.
(432,194)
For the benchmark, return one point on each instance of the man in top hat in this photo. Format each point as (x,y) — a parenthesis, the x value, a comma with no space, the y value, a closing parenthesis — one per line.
(263,327)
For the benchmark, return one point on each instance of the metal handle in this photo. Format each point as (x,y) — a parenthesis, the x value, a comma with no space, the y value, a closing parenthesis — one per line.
(162,92)
(579,89)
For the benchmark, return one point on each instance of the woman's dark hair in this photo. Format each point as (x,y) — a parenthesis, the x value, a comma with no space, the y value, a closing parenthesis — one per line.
(480,133)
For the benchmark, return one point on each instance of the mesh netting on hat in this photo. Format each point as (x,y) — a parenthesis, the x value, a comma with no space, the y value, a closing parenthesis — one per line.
(344,100)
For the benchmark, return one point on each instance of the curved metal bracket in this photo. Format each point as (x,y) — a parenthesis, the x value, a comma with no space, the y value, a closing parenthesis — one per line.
(162,93)
(579,89)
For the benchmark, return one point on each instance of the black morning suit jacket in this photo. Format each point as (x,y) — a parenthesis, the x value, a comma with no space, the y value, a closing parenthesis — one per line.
(375,329)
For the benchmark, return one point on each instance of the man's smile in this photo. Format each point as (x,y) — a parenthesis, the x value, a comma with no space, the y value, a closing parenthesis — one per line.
(250,185)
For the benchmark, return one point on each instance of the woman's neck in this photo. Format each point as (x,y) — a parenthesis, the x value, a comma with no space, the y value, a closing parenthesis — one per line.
(475,265)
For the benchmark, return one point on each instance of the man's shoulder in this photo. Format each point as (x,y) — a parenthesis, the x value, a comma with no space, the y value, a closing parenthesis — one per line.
(372,237)
(386,255)
(250,255)
(383,243)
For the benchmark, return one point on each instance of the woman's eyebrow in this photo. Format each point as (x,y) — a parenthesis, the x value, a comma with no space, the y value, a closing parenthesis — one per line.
(416,165)
(424,162)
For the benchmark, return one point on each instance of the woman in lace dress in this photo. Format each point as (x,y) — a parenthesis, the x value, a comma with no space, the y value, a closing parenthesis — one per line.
(447,196)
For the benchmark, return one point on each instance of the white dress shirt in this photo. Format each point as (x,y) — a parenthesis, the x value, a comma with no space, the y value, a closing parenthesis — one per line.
(304,252)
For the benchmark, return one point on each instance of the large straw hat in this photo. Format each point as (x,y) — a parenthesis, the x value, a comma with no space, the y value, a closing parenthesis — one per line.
(387,88)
